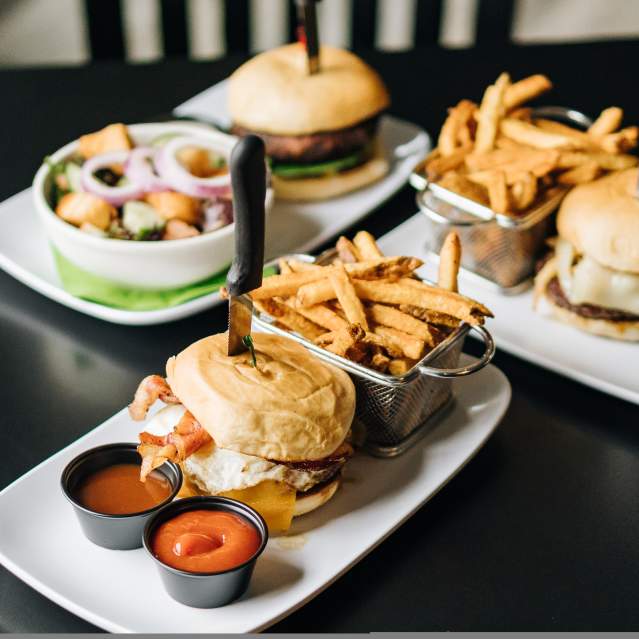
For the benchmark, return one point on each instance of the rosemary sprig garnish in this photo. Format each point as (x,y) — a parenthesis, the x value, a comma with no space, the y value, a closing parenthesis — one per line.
(247,340)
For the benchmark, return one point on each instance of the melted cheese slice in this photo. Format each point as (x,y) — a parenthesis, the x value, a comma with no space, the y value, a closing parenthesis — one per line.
(588,282)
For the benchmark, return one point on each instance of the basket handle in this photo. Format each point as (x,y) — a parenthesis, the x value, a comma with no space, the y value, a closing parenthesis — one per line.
(462,371)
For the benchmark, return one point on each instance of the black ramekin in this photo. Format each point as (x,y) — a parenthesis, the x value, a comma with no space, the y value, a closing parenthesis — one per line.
(117,532)
(206,589)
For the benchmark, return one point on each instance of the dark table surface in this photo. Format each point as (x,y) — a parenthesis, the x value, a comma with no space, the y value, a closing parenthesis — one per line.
(538,532)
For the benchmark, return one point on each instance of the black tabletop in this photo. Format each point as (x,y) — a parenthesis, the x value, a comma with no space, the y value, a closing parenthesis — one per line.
(538,532)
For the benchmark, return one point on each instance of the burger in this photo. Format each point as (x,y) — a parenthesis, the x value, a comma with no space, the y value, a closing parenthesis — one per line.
(591,280)
(270,432)
(320,130)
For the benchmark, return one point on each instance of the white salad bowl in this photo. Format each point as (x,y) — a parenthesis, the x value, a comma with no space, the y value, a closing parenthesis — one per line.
(150,265)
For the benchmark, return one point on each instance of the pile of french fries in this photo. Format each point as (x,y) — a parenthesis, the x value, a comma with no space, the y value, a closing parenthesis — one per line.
(368,307)
(499,155)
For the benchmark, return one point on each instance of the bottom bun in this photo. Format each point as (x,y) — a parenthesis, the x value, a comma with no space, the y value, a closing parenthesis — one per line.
(628,331)
(328,186)
(316,497)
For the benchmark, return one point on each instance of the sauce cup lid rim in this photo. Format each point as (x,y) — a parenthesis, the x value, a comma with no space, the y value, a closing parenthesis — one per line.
(125,446)
(213,500)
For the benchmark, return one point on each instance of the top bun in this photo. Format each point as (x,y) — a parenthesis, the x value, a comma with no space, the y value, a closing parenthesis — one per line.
(292,407)
(273,92)
(601,220)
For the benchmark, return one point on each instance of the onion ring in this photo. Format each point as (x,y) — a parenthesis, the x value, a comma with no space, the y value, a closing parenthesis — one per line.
(138,170)
(178,178)
(116,195)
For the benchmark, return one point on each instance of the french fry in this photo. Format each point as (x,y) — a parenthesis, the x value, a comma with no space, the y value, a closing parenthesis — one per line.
(456,121)
(460,184)
(284,267)
(524,191)
(609,120)
(581,139)
(441,165)
(394,318)
(347,251)
(347,297)
(339,342)
(490,113)
(285,284)
(400,366)
(379,362)
(620,142)
(514,161)
(531,135)
(583,173)
(289,318)
(315,293)
(607,161)
(416,293)
(495,183)
(522,113)
(383,267)
(373,339)
(430,316)
(411,346)
(319,314)
(367,246)
(449,260)
(525,90)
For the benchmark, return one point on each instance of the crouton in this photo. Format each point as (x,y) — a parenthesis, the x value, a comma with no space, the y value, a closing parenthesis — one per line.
(171,205)
(114,137)
(85,208)
(177,229)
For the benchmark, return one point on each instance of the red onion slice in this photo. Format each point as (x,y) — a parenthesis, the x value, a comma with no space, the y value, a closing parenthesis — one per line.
(116,195)
(179,179)
(139,170)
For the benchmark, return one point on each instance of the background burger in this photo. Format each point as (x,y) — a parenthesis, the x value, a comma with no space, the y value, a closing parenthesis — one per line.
(320,130)
(271,435)
(592,279)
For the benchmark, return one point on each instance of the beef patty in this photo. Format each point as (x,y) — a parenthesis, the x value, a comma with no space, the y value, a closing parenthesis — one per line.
(315,147)
(556,294)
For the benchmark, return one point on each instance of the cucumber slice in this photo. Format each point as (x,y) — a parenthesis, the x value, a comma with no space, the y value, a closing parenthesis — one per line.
(74,176)
(140,219)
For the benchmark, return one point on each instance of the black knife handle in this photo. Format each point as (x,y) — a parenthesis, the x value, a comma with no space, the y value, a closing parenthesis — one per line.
(248,178)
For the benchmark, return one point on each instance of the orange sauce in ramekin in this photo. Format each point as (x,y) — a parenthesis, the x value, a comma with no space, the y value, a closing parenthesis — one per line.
(205,541)
(117,490)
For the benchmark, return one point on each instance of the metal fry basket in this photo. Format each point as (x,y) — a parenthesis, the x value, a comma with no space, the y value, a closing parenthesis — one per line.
(397,410)
(498,249)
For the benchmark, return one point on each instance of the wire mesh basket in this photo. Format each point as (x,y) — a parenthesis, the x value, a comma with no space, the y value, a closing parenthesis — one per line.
(500,249)
(397,410)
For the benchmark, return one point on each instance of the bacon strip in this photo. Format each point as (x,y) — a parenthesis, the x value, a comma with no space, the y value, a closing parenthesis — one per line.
(187,437)
(150,389)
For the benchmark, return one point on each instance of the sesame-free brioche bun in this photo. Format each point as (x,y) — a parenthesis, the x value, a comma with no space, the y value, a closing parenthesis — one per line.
(601,220)
(333,184)
(627,331)
(291,407)
(316,497)
(274,93)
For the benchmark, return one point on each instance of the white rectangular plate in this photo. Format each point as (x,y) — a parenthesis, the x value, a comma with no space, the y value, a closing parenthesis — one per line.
(291,226)
(605,364)
(120,591)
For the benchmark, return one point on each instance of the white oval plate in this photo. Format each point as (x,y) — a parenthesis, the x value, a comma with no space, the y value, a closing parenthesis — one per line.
(120,591)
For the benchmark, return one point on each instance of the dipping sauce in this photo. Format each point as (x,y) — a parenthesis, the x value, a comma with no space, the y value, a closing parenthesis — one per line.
(117,490)
(205,541)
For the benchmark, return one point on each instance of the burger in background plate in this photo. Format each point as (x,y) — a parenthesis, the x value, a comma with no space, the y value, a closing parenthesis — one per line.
(320,130)
(270,432)
(592,279)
